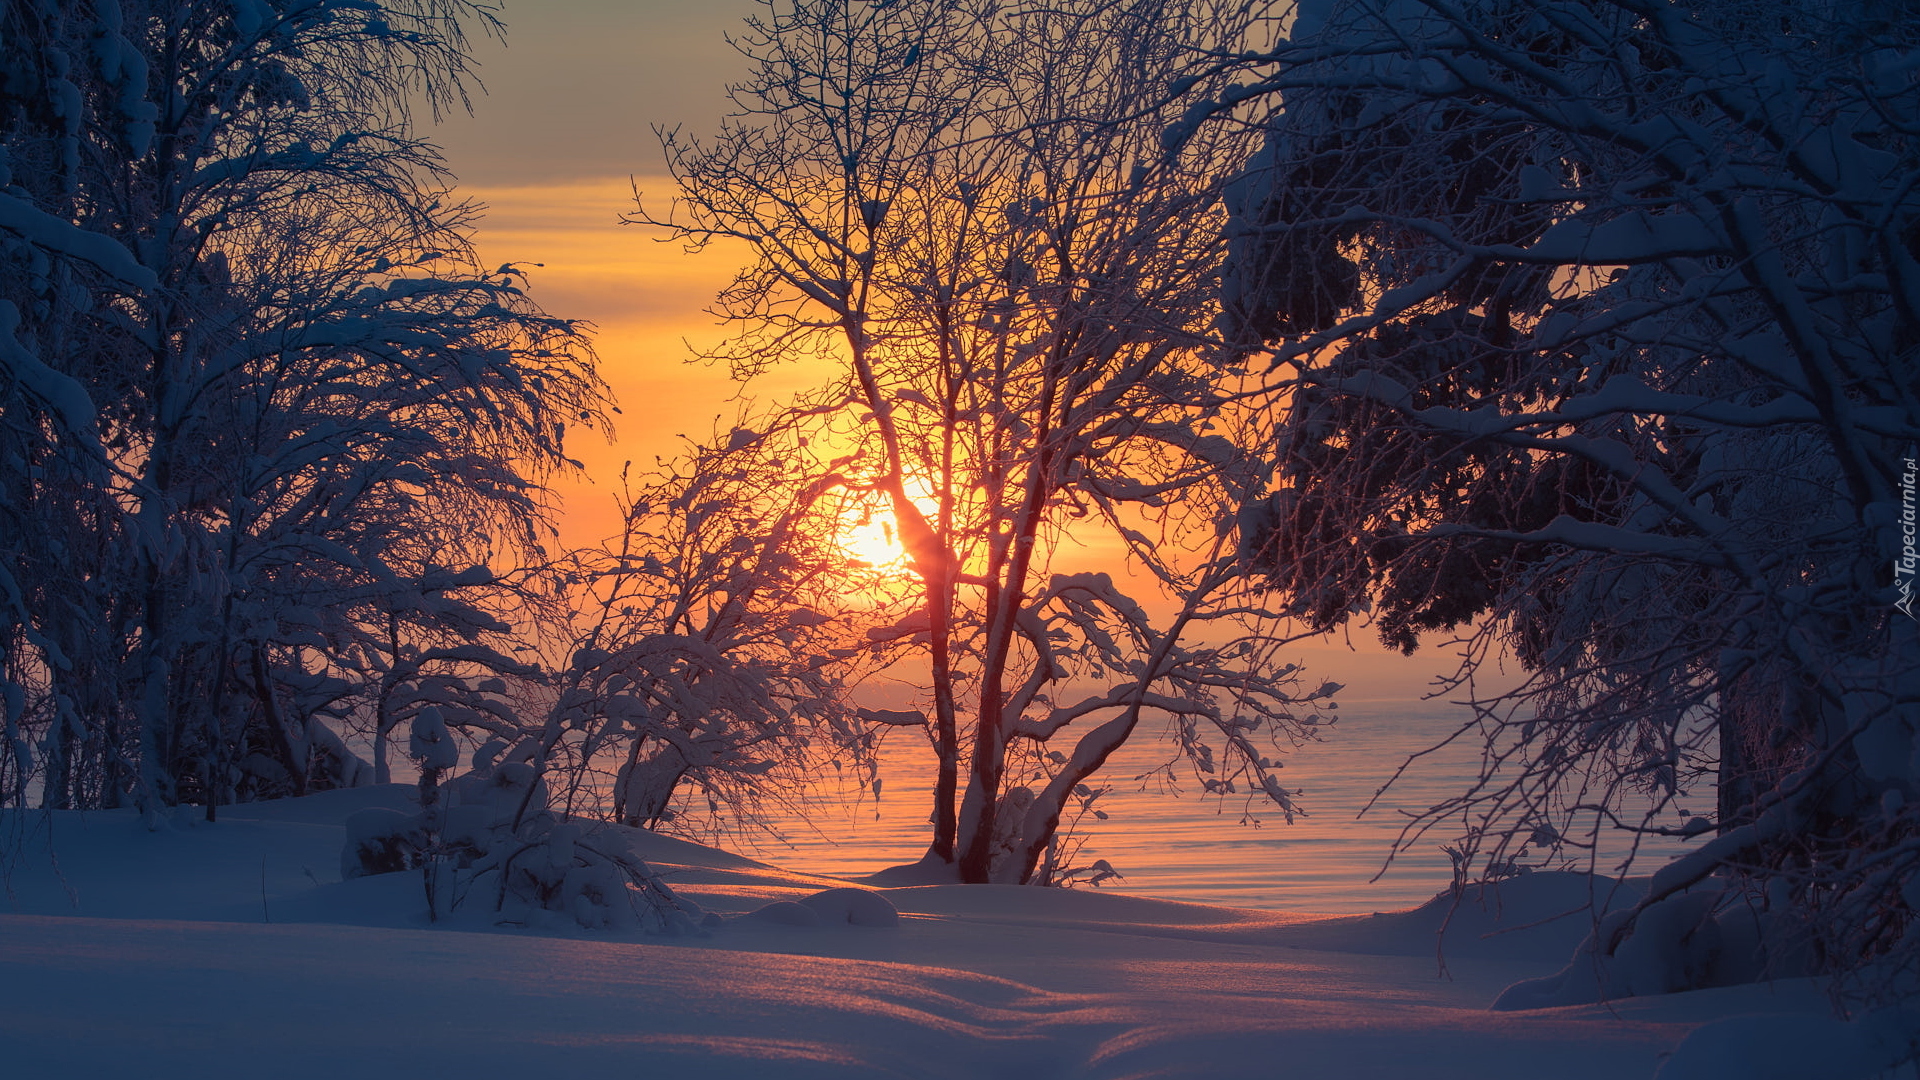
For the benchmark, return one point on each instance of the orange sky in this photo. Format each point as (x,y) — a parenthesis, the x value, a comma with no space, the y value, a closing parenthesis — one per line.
(554,149)
(645,300)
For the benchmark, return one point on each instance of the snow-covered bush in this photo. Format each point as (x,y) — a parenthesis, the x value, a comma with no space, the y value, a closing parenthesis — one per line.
(717,636)
(1689,941)
(491,847)
(382,841)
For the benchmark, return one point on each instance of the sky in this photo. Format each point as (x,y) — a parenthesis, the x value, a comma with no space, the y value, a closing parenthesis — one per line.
(556,148)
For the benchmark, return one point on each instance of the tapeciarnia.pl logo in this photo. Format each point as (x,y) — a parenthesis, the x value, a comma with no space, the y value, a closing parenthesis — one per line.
(1904,563)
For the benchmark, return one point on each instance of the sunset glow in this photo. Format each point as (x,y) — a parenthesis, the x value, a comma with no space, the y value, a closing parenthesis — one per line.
(646,301)
(874,541)
(958,539)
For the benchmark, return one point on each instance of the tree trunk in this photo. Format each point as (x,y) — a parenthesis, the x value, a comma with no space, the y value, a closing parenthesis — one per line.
(290,756)
(946,730)
(1043,817)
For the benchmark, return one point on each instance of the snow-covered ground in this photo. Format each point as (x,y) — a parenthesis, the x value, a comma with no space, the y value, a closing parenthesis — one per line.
(234,949)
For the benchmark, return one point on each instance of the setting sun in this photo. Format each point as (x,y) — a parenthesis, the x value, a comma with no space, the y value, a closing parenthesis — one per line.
(872,539)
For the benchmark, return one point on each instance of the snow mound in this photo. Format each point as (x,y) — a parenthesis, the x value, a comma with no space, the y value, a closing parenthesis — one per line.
(1542,914)
(785,913)
(858,907)
(1689,941)
(830,907)
(1078,905)
(1795,1046)
(928,871)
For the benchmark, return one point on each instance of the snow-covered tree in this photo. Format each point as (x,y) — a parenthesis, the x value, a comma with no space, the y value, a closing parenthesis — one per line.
(968,208)
(1596,325)
(51,456)
(708,666)
(291,430)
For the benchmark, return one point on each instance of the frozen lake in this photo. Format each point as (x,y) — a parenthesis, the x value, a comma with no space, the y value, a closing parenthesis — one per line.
(1193,846)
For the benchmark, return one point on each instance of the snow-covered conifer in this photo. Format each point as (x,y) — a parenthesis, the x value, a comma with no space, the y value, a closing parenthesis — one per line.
(1597,325)
(283,434)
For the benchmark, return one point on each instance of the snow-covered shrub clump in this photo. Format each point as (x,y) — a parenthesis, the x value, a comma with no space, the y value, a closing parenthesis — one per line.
(492,844)
(1688,941)
(381,841)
